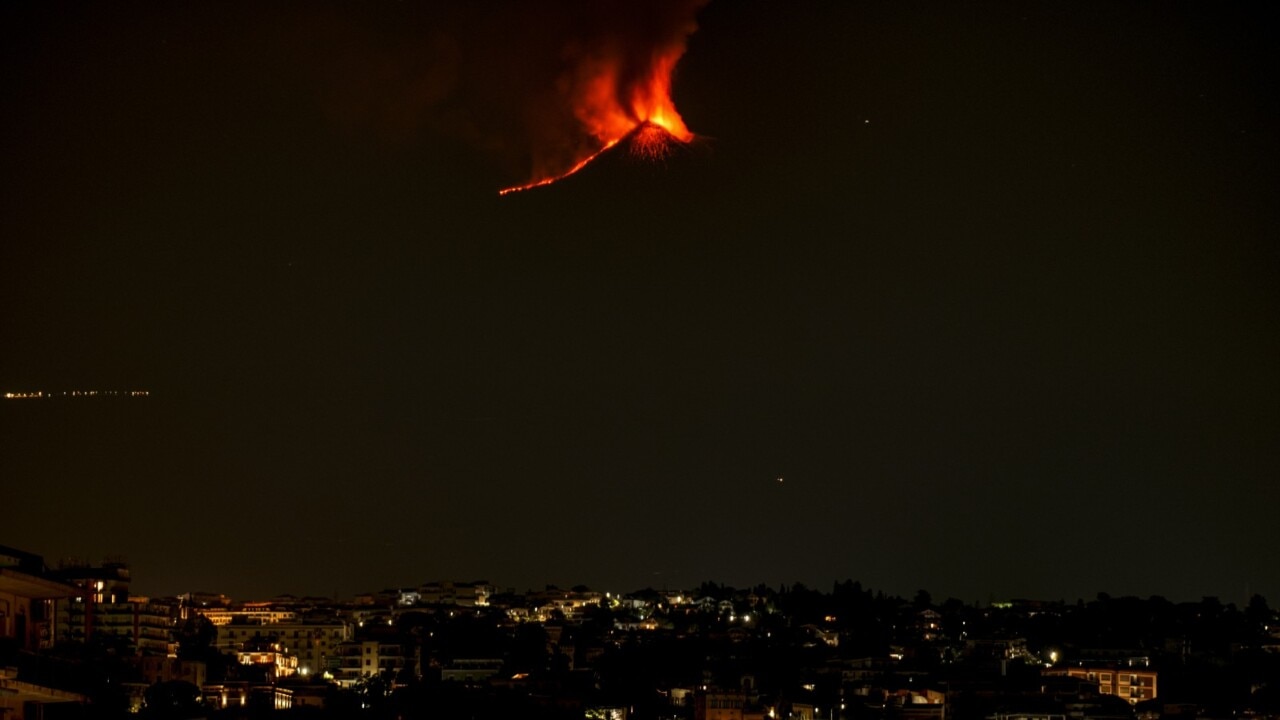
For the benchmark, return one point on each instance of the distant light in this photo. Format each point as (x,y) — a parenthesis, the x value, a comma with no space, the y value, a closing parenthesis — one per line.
(75,394)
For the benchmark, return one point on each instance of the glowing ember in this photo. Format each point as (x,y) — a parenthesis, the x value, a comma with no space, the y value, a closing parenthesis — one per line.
(612,96)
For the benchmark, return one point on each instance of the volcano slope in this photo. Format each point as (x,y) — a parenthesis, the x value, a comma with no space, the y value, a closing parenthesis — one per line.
(648,154)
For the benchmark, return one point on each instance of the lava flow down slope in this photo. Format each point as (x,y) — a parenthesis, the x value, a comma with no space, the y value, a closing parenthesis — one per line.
(647,153)
(619,94)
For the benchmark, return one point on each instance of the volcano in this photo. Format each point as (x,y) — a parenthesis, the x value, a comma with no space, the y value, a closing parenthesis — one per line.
(649,142)
(647,151)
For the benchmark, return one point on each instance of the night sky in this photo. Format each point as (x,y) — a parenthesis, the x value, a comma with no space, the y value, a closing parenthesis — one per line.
(994,287)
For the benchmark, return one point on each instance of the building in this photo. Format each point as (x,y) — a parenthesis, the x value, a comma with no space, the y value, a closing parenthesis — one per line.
(270,657)
(606,712)
(102,609)
(1132,684)
(23,700)
(248,614)
(28,599)
(256,698)
(472,594)
(719,705)
(367,658)
(156,669)
(28,619)
(471,670)
(314,644)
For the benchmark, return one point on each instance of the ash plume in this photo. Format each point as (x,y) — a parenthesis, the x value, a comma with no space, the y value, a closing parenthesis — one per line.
(616,74)
(534,87)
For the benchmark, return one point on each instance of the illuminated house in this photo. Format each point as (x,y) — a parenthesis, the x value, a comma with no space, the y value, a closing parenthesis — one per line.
(314,644)
(273,657)
(250,612)
(568,604)
(605,712)
(257,698)
(1134,685)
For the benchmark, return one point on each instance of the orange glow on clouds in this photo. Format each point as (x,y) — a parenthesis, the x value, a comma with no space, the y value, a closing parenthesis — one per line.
(609,107)
(610,97)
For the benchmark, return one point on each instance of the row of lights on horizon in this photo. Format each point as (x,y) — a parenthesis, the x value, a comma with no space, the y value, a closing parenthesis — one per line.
(75,393)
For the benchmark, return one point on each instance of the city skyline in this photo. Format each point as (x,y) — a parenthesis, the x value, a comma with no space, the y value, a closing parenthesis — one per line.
(82,637)
(993,287)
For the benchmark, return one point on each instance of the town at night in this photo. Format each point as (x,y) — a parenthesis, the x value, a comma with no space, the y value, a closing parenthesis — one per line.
(640,360)
(475,649)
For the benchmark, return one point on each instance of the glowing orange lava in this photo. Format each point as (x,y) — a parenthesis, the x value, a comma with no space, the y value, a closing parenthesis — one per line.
(549,180)
(652,141)
(611,98)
